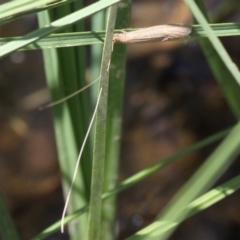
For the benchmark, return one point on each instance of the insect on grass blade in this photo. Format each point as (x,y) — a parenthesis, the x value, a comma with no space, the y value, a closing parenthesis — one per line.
(160,33)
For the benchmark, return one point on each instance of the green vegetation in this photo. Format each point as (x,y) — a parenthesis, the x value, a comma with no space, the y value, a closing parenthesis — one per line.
(93,196)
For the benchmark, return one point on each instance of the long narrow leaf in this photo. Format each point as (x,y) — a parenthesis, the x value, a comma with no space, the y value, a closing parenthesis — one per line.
(207,200)
(114,124)
(137,178)
(205,177)
(60,40)
(7,228)
(14,7)
(54,27)
(17,15)
(95,206)
(214,40)
(221,72)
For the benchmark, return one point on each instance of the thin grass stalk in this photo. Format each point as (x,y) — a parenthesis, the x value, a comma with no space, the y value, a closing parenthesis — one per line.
(7,228)
(137,178)
(13,7)
(54,27)
(207,200)
(205,177)
(85,102)
(114,124)
(214,40)
(73,76)
(73,39)
(64,130)
(94,221)
(222,66)
(98,22)
(18,15)
(228,84)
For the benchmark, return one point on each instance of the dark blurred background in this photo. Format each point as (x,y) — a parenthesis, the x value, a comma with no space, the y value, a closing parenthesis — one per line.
(171,101)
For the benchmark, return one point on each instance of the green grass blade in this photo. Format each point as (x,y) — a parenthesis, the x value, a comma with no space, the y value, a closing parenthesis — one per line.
(219,29)
(85,103)
(137,178)
(98,23)
(165,162)
(64,129)
(73,39)
(222,66)
(114,124)
(73,69)
(214,40)
(7,228)
(21,14)
(94,221)
(205,177)
(217,194)
(14,7)
(226,80)
(65,134)
(207,200)
(54,26)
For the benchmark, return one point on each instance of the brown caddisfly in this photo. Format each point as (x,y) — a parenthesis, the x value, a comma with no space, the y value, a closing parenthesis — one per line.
(160,33)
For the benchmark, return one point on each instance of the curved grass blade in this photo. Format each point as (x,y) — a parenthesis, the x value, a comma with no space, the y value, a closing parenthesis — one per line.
(207,200)
(78,162)
(8,231)
(54,27)
(225,78)
(24,13)
(136,178)
(71,121)
(214,40)
(64,129)
(98,22)
(205,177)
(15,7)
